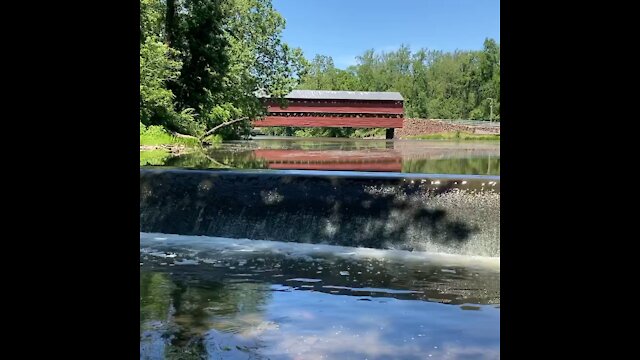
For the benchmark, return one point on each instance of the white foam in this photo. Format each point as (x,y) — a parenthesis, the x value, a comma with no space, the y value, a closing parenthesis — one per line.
(305,250)
(369,289)
(305,280)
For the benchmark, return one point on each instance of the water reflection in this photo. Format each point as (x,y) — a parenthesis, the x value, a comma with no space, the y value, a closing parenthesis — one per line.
(409,156)
(239,304)
(179,323)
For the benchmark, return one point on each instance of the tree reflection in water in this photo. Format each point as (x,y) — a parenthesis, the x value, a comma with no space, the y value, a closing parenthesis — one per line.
(180,317)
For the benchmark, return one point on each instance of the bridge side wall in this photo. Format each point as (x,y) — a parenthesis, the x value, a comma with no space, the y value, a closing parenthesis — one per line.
(329,121)
(334,113)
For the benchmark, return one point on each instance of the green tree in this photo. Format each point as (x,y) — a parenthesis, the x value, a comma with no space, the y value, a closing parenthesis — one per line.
(156,68)
(204,64)
(196,32)
(151,19)
(262,64)
(159,65)
(434,84)
(490,77)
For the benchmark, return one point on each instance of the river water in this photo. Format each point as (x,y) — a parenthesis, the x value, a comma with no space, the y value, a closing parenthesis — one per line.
(407,156)
(219,298)
(222,298)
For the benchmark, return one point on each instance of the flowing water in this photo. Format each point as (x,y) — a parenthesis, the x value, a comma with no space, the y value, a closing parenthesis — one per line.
(243,297)
(219,298)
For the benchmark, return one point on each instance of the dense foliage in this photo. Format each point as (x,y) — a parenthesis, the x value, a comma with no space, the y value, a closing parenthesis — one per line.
(435,84)
(203,62)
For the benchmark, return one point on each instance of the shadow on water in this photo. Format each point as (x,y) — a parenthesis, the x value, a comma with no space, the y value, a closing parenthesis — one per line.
(391,213)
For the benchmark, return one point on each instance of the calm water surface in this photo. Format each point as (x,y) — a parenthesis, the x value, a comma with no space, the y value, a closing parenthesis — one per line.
(407,156)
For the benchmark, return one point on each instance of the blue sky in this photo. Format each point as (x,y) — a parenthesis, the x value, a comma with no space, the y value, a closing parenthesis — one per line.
(344,29)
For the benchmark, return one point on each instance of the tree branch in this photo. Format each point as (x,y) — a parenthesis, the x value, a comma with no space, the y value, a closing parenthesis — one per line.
(214,161)
(221,125)
(177,134)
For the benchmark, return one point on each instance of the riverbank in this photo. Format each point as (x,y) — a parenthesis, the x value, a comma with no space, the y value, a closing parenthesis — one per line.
(155,138)
(456,136)
(432,129)
(173,149)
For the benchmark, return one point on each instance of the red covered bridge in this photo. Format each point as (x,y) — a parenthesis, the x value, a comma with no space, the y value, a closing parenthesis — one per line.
(321,108)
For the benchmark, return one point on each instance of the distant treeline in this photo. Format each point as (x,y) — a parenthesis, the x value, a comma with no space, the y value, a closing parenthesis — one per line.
(434,84)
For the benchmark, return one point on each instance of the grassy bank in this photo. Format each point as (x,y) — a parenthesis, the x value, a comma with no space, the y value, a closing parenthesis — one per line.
(456,136)
(157,135)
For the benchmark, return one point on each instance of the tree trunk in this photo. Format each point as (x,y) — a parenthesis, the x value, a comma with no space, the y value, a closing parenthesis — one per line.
(170,21)
(177,134)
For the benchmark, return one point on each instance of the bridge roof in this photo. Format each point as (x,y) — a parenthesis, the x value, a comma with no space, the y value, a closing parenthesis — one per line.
(344,95)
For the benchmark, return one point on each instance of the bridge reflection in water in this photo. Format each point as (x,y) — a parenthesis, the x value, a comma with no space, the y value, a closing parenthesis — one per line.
(431,157)
(355,160)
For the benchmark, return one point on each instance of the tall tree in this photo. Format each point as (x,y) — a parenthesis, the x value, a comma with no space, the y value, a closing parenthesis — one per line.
(490,75)
(159,66)
(171,24)
(262,63)
(222,55)
(198,35)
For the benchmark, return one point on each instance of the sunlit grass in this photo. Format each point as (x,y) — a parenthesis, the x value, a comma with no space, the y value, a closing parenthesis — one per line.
(156,135)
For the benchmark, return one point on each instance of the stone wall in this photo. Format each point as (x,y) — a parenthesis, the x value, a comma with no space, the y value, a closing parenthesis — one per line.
(413,127)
